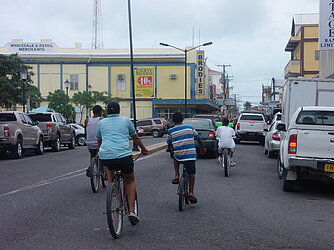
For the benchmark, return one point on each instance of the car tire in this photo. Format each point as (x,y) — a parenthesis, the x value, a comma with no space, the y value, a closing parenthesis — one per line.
(71,145)
(155,133)
(287,185)
(17,151)
(40,146)
(280,168)
(56,144)
(81,140)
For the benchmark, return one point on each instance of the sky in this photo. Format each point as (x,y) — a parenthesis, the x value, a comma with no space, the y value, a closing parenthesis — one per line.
(248,35)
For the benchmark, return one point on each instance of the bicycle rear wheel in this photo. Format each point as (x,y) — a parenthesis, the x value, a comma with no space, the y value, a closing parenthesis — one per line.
(94,174)
(181,192)
(226,163)
(114,210)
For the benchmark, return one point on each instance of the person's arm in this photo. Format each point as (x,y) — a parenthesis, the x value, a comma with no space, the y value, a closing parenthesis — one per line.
(86,122)
(139,142)
(198,139)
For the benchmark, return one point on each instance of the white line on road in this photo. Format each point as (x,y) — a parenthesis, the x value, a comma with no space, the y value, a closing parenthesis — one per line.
(66,176)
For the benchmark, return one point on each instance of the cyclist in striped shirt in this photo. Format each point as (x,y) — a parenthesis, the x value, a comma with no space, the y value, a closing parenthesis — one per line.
(181,140)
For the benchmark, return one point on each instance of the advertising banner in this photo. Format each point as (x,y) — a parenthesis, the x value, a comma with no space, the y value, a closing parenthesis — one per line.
(326,25)
(31,47)
(144,81)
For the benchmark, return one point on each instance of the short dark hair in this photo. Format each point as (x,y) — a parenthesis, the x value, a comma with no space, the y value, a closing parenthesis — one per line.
(97,110)
(113,108)
(225,121)
(177,117)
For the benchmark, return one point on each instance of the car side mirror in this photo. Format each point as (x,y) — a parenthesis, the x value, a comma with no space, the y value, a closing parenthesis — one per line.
(281,127)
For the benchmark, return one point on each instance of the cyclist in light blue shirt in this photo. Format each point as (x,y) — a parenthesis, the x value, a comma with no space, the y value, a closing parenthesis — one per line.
(114,152)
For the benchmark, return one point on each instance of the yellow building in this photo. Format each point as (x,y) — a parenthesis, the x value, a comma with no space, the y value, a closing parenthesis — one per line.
(159,75)
(303,45)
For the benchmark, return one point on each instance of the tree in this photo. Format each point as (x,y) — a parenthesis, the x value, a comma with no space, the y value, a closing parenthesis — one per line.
(105,98)
(84,100)
(247,105)
(60,102)
(11,90)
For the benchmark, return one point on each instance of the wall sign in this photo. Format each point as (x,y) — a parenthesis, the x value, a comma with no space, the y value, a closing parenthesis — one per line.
(326,25)
(144,81)
(31,47)
(200,72)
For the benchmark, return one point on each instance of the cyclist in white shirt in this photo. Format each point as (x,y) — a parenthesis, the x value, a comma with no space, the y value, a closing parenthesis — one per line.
(226,135)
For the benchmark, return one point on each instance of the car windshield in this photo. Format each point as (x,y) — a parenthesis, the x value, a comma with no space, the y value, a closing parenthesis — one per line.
(316,118)
(251,118)
(199,123)
(7,117)
(41,117)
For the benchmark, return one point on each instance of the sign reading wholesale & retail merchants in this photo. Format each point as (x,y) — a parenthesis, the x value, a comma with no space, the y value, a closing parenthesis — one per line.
(200,72)
(31,47)
(326,25)
(144,81)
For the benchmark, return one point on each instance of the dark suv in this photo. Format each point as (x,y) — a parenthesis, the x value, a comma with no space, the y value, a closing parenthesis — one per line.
(153,126)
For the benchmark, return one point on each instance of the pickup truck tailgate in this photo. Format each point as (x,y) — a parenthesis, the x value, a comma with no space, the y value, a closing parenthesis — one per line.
(251,126)
(317,143)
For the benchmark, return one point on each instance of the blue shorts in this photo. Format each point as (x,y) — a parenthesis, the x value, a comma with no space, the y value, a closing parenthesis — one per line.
(190,167)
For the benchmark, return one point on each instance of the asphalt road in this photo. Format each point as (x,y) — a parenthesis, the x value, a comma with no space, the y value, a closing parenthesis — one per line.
(46,203)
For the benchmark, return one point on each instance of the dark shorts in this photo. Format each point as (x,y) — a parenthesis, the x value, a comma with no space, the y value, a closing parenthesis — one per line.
(190,166)
(93,152)
(124,164)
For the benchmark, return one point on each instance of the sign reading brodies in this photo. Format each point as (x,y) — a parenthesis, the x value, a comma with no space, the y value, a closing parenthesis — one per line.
(144,81)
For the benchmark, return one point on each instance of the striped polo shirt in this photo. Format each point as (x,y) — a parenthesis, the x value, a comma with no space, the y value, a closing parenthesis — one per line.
(181,137)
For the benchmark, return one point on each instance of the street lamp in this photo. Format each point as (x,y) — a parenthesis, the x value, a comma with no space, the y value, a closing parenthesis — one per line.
(185,51)
(67,85)
(89,88)
(135,146)
(24,76)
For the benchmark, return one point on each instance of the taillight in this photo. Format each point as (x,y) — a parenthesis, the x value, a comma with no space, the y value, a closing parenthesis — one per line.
(276,136)
(238,126)
(6,131)
(212,135)
(49,128)
(292,147)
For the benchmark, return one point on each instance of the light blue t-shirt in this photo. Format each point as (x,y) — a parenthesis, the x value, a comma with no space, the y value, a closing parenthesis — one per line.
(114,132)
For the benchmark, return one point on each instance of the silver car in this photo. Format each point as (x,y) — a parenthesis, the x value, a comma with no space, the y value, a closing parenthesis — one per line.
(80,136)
(272,140)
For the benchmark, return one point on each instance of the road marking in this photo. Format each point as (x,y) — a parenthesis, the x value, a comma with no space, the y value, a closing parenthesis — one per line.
(66,176)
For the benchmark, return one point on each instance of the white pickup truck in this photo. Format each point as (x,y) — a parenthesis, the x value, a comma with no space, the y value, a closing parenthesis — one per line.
(307,146)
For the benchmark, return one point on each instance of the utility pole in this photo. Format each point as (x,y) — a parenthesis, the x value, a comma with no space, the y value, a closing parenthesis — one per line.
(97,37)
(225,80)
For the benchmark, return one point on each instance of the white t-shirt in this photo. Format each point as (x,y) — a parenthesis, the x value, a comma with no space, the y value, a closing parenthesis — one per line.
(226,135)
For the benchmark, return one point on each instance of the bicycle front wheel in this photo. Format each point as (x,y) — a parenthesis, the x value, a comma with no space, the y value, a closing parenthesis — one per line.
(181,193)
(94,174)
(114,210)
(226,163)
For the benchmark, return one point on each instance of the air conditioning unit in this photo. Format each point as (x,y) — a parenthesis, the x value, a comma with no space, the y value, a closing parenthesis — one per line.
(172,76)
(120,77)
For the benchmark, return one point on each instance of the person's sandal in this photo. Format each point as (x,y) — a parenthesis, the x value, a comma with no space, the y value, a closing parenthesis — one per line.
(192,199)
(175,181)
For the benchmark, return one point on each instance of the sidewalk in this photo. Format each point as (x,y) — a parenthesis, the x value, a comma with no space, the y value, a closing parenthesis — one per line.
(151,148)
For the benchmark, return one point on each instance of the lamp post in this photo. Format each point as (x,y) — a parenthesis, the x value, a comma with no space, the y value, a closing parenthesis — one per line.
(67,85)
(135,146)
(185,51)
(24,76)
(89,88)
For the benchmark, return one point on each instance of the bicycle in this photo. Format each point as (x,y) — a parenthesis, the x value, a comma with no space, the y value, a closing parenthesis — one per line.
(117,204)
(182,189)
(225,160)
(97,174)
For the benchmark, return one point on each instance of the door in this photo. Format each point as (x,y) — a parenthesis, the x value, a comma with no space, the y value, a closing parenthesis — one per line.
(26,134)
(32,130)
(65,130)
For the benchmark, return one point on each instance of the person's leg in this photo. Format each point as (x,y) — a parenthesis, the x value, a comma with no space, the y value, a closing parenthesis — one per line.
(130,190)
(110,175)
(93,153)
(191,170)
(176,170)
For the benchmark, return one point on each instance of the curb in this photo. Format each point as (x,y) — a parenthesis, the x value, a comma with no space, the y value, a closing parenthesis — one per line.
(151,149)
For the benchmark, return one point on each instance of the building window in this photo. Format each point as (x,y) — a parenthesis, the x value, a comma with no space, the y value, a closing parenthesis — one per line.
(120,82)
(317,55)
(74,82)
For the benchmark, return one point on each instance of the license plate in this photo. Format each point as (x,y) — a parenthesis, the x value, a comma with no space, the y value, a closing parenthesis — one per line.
(251,133)
(329,168)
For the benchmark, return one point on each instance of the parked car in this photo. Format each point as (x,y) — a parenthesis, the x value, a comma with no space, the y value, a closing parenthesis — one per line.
(250,127)
(156,127)
(55,130)
(272,140)
(18,133)
(80,136)
(307,146)
(206,130)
